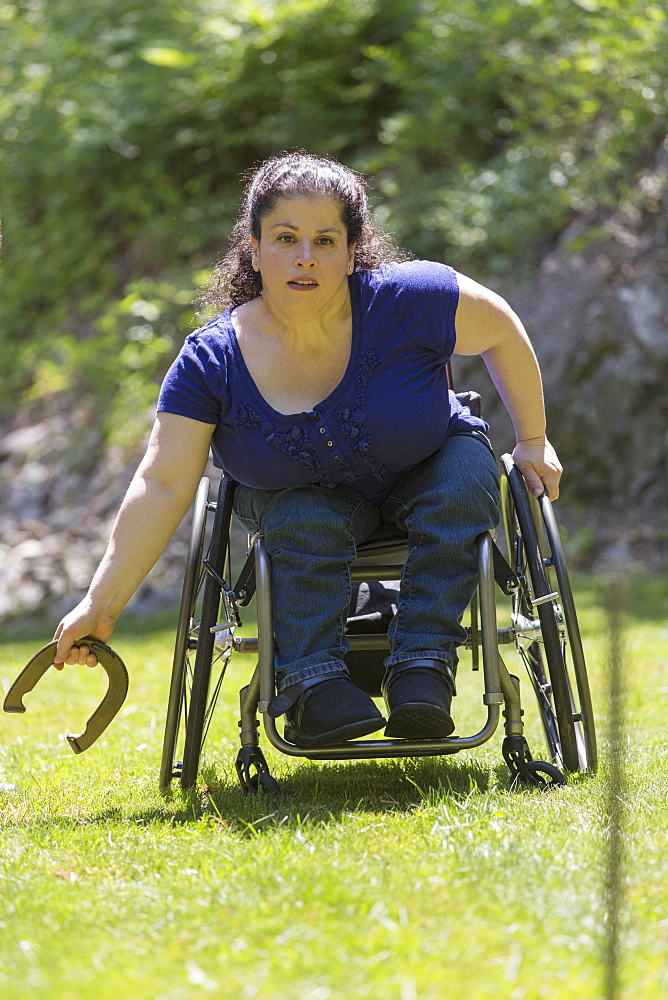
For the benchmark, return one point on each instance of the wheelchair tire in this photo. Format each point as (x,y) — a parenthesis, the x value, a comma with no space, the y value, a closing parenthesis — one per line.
(177,706)
(587,728)
(534,550)
(201,706)
(542,775)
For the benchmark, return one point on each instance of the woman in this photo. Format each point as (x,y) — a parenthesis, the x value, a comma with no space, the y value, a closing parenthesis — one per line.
(322,390)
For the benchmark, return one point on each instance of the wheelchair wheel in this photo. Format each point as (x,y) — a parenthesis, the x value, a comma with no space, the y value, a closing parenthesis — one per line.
(177,706)
(200,647)
(545,623)
(586,731)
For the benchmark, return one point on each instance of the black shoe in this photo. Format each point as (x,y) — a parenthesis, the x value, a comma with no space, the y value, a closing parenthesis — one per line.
(418,696)
(330,711)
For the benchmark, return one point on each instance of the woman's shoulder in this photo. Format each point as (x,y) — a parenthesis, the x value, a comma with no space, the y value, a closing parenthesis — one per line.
(196,383)
(215,331)
(419,298)
(211,342)
(411,275)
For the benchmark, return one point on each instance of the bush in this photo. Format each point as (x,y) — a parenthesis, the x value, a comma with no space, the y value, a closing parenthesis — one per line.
(484,124)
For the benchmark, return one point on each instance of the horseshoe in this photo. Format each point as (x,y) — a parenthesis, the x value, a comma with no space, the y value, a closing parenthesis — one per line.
(106,710)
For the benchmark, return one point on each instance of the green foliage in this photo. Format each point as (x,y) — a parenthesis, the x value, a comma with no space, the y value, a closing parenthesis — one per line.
(484,125)
(523,114)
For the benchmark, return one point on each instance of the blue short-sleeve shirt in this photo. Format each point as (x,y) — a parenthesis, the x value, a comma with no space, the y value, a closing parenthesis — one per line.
(391,409)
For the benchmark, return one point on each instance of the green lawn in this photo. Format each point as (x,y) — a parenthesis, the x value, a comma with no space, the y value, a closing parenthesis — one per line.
(400,880)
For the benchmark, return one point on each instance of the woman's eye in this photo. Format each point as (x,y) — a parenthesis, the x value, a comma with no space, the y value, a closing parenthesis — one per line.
(290,238)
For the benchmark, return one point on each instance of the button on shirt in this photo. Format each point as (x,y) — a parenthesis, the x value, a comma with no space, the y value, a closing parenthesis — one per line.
(391,409)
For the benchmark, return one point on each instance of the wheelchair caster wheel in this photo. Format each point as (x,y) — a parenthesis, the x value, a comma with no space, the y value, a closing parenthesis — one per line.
(253,773)
(540,774)
(263,782)
(524,770)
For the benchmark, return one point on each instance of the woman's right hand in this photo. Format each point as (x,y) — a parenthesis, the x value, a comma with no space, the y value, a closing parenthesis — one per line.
(81,621)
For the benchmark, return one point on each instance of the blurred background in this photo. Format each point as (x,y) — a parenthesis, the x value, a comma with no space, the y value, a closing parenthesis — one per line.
(521,141)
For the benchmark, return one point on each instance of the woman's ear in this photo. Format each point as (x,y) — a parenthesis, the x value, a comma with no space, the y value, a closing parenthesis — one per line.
(255,246)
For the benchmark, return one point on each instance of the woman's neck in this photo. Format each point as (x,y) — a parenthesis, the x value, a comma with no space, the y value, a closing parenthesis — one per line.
(302,326)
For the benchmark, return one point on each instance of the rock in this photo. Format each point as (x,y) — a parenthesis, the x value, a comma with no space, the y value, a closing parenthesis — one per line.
(597,313)
(56,515)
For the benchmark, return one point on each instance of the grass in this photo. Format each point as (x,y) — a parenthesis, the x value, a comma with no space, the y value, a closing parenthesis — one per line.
(406,880)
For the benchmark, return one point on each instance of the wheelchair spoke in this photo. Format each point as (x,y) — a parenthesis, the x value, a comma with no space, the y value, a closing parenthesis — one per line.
(543,691)
(213,698)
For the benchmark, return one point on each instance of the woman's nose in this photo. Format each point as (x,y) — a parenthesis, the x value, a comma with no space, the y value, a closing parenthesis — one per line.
(304,256)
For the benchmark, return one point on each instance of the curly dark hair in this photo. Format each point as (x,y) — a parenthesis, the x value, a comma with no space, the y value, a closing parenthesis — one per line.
(288,176)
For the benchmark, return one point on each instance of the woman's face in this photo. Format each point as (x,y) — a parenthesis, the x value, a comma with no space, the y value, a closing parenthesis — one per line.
(303,255)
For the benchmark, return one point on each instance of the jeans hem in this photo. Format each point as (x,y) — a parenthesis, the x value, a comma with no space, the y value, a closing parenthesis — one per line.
(426,654)
(306,673)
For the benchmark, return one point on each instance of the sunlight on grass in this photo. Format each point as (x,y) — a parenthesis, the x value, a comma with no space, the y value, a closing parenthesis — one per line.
(407,879)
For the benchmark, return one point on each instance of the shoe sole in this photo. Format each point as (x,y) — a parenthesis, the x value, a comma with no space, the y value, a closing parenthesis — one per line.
(419,722)
(344,733)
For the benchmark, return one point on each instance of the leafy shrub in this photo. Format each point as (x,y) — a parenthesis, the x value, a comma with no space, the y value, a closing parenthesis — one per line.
(484,124)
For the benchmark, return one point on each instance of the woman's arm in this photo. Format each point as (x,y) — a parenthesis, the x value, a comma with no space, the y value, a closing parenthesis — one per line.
(157,499)
(486,325)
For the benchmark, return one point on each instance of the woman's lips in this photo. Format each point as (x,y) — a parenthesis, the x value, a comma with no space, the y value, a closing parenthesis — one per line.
(303,284)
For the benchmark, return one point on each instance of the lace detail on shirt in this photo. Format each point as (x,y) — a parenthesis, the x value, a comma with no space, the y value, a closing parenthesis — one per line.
(294,442)
(354,420)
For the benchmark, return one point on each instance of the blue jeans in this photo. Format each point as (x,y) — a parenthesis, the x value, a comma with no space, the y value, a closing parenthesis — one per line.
(311,534)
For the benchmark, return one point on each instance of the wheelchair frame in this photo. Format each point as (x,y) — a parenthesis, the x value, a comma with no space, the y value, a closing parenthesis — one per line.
(543,628)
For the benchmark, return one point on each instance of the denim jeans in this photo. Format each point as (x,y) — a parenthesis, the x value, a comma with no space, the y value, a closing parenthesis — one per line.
(311,534)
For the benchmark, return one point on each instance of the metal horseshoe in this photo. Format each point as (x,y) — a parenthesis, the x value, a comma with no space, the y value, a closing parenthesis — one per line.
(106,710)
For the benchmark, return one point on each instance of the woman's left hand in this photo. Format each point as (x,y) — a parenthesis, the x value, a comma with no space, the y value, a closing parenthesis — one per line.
(537,461)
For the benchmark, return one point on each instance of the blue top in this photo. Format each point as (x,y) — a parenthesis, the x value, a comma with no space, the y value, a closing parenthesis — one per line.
(391,409)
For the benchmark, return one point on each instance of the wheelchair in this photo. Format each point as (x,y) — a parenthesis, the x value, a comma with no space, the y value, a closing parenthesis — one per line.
(542,629)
